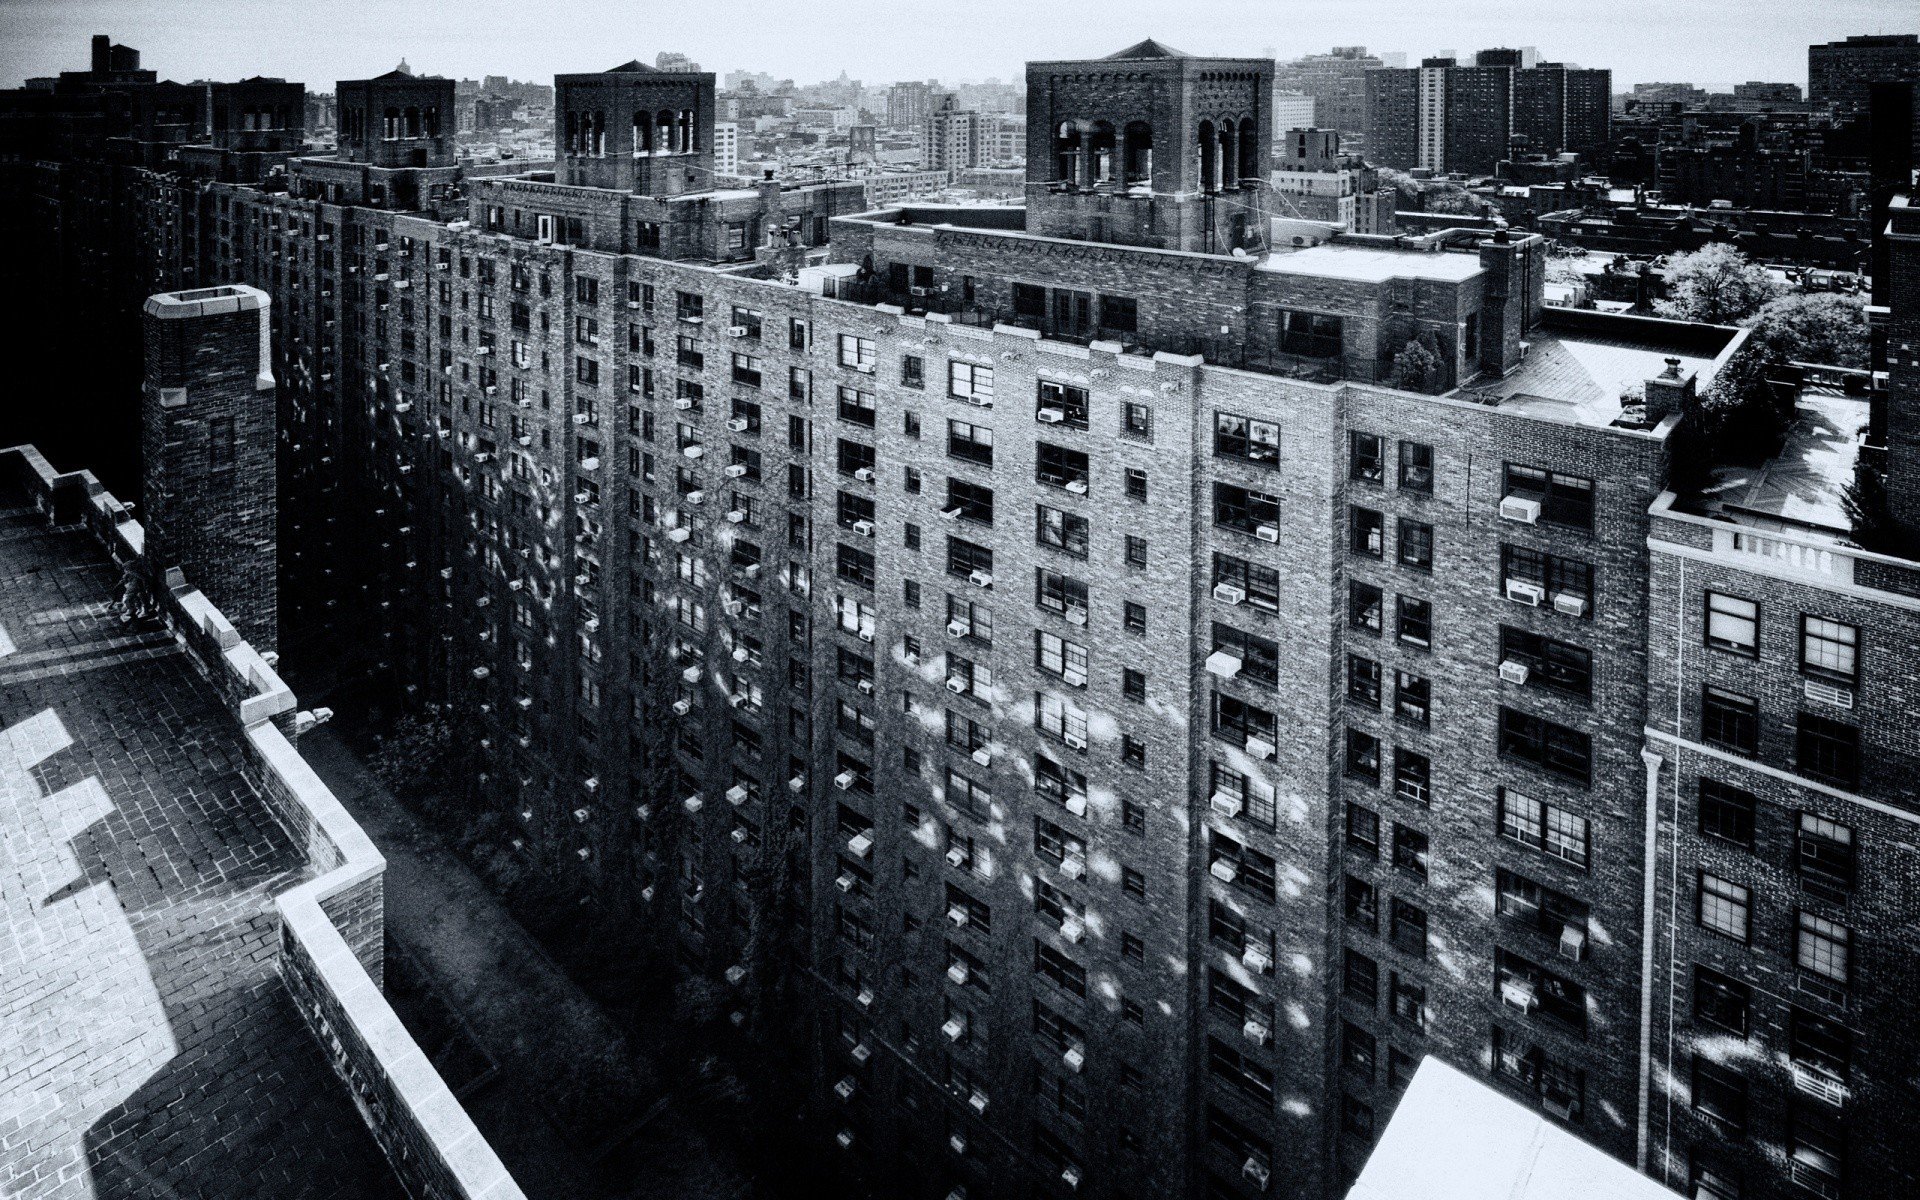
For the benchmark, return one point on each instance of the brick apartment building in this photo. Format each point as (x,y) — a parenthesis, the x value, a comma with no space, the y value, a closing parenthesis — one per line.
(1452,116)
(1149,729)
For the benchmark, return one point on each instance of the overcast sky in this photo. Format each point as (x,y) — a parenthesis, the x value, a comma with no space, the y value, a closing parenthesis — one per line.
(1709,42)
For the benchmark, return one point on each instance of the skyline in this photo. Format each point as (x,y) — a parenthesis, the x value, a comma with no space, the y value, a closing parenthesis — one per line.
(989,38)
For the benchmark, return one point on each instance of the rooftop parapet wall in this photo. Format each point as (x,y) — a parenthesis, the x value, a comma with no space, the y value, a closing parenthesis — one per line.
(331,932)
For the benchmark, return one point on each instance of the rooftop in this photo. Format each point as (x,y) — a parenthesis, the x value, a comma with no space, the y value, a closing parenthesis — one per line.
(1372,264)
(151,1048)
(1802,489)
(1453,1137)
(1579,365)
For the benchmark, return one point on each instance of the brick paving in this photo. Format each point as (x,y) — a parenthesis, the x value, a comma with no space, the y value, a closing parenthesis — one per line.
(147,1047)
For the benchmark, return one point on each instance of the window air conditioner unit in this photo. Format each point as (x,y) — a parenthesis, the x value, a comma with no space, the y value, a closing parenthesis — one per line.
(845,1138)
(737,794)
(861,844)
(736,517)
(1572,605)
(693,451)
(950,514)
(1255,1032)
(1223,663)
(959,973)
(957,856)
(865,686)
(955,1028)
(863,528)
(1514,671)
(1818,1083)
(844,1089)
(977,1101)
(691,674)
(1071,1177)
(1259,747)
(864,474)
(797,784)
(1072,928)
(1573,943)
(1077,805)
(845,882)
(736,331)
(956,685)
(844,780)
(863,368)
(1227,593)
(1226,804)
(957,914)
(737,424)
(1073,866)
(980,579)
(1257,1171)
(737,471)
(1521,592)
(1255,958)
(683,403)
(1050,416)
(865,635)
(957,628)
(1074,740)
(1075,1058)
(860,1052)
(983,756)
(1521,509)
(1077,486)
(679,535)
(1267,533)
(1223,870)
(694,803)
(1517,993)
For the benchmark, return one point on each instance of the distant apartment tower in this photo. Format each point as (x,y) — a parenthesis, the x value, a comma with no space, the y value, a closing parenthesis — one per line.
(1453,117)
(909,104)
(726,148)
(1292,110)
(952,137)
(1313,180)
(208,423)
(1337,82)
(1839,73)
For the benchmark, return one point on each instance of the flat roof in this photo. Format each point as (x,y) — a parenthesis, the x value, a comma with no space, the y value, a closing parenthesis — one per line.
(1803,488)
(1578,377)
(150,1046)
(1453,1137)
(1370,264)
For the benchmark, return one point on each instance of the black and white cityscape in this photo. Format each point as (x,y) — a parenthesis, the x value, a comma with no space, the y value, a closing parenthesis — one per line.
(1302,616)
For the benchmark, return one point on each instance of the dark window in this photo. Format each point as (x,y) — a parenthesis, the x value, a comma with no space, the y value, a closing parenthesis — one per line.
(1364,604)
(1416,467)
(1412,776)
(1061,404)
(1823,851)
(1366,457)
(1414,621)
(1240,437)
(1363,756)
(1721,1001)
(1559,666)
(1720,1092)
(1410,850)
(1366,532)
(1827,750)
(1363,681)
(1310,335)
(1730,722)
(1544,744)
(1726,812)
(1415,545)
(1360,978)
(1363,829)
(1564,499)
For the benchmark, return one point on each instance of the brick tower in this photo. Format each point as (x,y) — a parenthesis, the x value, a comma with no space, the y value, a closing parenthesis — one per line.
(1151,147)
(209,497)
(634,128)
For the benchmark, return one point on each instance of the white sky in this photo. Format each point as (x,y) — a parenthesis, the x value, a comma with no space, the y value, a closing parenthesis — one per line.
(1709,42)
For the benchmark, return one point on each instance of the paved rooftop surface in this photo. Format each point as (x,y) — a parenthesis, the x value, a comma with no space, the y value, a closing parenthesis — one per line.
(1368,264)
(1578,378)
(1803,488)
(147,1046)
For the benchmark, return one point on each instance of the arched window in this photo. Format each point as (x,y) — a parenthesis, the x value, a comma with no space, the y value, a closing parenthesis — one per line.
(413,122)
(573,132)
(392,124)
(1067,152)
(642,133)
(663,137)
(1100,148)
(1251,169)
(1209,145)
(1137,149)
(599,132)
(1229,156)
(691,140)
(433,120)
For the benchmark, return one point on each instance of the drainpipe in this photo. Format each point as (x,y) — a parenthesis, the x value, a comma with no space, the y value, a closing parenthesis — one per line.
(1648,866)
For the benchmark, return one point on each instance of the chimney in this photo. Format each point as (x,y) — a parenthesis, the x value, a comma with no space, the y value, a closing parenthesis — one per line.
(102,53)
(1671,391)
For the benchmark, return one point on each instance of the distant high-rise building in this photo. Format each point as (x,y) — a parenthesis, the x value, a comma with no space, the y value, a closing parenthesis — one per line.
(1292,110)
(726,148)
(1450,117)
(951,137)
(909,103)
(1839,73)
(673,60)
(1337,81)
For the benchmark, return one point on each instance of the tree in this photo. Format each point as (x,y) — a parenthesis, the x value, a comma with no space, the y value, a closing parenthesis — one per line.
(1827,328)
(1716,284)
(1417,367)
(1455,200)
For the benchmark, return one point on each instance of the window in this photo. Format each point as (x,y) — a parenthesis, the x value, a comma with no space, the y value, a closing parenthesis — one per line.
(1829,649)
(1412,776)
(1407,1001)
(1409,929)
(1133,684)
(1119,313)
(1252,441)
(1564,499)
(1136,421)
(1356,1117)
(1827,750)
(972,443)
(1733,624)
(1057,656)
(1822,947)
(1136,484)
(1235,720)
(1255,795)
(1814,1041)
(1134,753)
(1416,467)
(1261,584)
(1723,907)
(1057,466)
(1366,457)
(1545,827)
(1726,812)
(1242,1074)
(1060,404)
(970,382)
(1363,829)
(1730,722)
(1567,581)
(1133,883)
(1058,969)
(1544,744)
(1720,1093)
(1135,617)
(1364,605)
(1248,511)
(746,370)
(858,352)
(913,371)
(1720,1001)
(1553,665)
(1310,335)
(973,502)
(1061,530)
(1360,978)
(965,558)
(1363,756)
(1824,856)
(1412,697)
(1137,552)
(1242,866)
(1413,622)
(1410,850)
(1061,594)
(1363,680)
(1712,1183)
(1367,532)
(855,406)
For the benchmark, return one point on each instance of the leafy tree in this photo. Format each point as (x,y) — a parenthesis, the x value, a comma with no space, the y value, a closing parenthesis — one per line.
(1716,284)
(1417,367)
(1825,328)
(1454,199)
